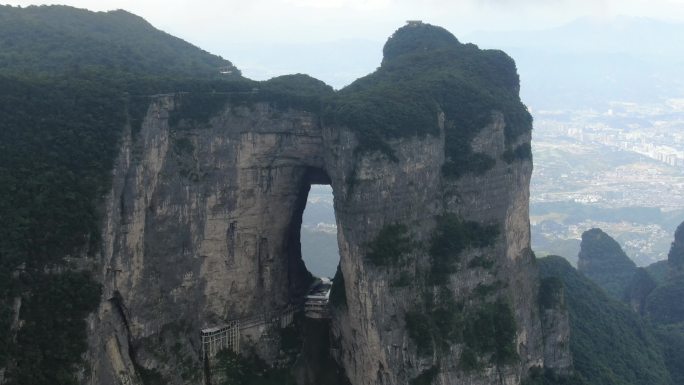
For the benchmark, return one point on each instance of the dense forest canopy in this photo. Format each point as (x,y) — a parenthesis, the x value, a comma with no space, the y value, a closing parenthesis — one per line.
(71,80)
(54,40)
(610,344)
(653,294)
(425,71)
(602,260)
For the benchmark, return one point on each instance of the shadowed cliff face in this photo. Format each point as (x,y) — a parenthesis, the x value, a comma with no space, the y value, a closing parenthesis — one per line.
(663,304)
(675,258)
(202,227)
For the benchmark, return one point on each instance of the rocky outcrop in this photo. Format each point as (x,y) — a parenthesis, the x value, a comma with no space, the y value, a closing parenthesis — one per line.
(387,192)
(202,227)
(675,259)
(555,326)
(602,260)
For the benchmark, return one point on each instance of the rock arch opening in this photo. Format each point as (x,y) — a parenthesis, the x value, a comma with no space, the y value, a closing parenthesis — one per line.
(320,251)
(312,243)
(313,258)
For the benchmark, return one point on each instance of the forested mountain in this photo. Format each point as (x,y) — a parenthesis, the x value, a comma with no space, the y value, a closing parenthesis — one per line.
(610,344)
(602,260)
(401,97)
(51,40)
(675,258)
(638,289)
(67,77)
(664,307)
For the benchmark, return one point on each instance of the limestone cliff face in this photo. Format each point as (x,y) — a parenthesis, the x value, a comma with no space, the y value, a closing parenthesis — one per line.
(375,346)
(202,227)
(555,326)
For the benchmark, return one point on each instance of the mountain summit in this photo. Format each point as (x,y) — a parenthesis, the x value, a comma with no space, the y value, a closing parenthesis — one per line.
(603,261)
(55,39)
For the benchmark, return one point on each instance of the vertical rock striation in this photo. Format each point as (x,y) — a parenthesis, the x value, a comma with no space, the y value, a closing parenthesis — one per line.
(376,347)
(202,227)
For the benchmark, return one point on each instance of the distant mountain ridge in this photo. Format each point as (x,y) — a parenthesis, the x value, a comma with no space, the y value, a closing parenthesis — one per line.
(589,63)
(618,35)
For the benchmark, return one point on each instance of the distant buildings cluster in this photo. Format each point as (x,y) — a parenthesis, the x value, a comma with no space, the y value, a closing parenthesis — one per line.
(640,142)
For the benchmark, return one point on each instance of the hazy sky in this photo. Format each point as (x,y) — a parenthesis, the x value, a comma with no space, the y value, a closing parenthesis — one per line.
(319,20)
(237,30)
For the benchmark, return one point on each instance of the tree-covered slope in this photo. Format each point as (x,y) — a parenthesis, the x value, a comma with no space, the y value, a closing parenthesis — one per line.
(672,339)
(665,303)
(57,39)
(638,289)
(675,259)
(658,271)
(664,307)
(58,141)
(426,70)
(602,260)
(71,80)
(57,146)
(610,344)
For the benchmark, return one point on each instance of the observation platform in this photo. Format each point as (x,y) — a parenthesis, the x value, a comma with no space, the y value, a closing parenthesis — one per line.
(317,301)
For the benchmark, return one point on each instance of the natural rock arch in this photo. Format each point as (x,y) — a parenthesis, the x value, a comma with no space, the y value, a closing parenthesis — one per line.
(203,222)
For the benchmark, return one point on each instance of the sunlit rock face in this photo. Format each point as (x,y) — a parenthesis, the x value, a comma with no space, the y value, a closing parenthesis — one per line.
(202,227)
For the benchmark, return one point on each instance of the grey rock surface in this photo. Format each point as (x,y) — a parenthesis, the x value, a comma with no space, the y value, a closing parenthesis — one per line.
(202,227)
